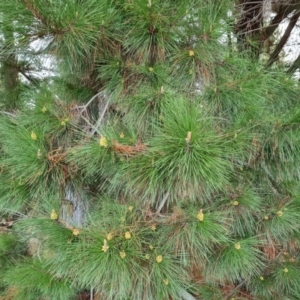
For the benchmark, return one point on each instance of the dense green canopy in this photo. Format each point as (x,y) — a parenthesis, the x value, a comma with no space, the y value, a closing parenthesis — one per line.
(146,152)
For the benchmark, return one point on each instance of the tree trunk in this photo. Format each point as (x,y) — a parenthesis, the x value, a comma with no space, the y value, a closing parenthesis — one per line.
(9,71)
(73,209)
(249,24)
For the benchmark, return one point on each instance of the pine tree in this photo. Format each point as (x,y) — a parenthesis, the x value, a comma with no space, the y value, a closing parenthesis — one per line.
(155,160)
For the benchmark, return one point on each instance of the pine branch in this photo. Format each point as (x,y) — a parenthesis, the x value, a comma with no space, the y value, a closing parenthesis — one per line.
(35,12)
(283,40)
(283,12)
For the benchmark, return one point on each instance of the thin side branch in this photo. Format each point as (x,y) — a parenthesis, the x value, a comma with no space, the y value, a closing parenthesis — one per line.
(84,107)
(100,118)
(8,113)
(92,294)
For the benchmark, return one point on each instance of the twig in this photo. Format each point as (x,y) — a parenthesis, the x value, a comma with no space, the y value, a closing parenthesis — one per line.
(8,113)
(236,289)
(101,118)
(277,256)
(84,107)
(39,250)
(162,203)
(92,294)
(186,295)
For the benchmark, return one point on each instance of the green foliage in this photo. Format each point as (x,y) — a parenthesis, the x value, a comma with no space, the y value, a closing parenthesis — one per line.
(282,221)
(243,257)
(155,162)
(185,151)
(9,249)
(195,241)
(32,280)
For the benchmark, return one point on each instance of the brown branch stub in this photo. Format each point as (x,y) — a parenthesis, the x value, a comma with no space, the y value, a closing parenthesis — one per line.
(5,225)
(56,158)
(128,150)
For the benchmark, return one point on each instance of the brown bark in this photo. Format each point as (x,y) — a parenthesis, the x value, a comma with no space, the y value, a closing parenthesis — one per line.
(282,13)
(251,36)
(9,72)
(284,38)
(249,24)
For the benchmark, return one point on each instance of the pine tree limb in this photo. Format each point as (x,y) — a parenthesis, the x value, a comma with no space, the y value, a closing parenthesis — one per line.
(285,37)
(283,12)
(35,12)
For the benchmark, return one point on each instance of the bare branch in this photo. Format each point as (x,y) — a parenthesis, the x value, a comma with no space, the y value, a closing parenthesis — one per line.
(35,12)
(283,12)
(84,107)
(162,203)
(285,37)
(96,127)
(8,113)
